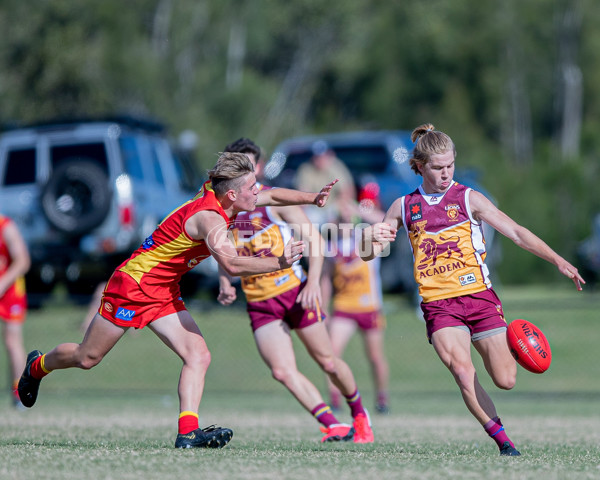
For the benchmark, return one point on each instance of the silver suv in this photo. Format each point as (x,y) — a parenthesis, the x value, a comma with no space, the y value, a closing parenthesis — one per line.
(86,193)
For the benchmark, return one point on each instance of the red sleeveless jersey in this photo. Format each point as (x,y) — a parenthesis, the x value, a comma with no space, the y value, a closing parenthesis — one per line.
(159,263)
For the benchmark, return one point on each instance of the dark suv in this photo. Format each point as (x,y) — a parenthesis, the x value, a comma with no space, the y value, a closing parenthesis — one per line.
(86,193)
(371,156)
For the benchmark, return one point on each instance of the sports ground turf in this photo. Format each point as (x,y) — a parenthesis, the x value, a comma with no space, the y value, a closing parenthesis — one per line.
(119,420)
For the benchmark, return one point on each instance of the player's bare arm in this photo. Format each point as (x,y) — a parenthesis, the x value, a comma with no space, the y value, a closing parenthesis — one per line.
(484,210)
(211,227)
(310,235)
(286,196)
(378,236)
(227,291)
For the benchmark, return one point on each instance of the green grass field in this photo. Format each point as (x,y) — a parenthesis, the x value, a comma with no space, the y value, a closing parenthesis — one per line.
(119,420)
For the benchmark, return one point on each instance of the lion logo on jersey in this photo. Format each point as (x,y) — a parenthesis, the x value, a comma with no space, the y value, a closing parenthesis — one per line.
(432,250)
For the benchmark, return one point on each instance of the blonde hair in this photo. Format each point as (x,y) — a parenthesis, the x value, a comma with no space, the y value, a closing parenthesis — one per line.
(428,141)
(228,171)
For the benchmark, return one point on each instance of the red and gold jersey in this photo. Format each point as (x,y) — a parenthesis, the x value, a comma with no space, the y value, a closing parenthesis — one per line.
(356,284)
(159,263)
(5,259)
(447,243)
(260,234)
(13,302)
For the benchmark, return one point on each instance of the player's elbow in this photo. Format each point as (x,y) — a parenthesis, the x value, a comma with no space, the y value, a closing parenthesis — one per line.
(232,269)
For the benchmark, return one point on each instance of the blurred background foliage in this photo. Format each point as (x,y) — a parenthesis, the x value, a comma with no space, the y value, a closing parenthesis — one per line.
(515,84)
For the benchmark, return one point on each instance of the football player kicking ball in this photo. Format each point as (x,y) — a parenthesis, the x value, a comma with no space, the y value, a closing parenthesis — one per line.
(144,290)
(289,300)
(443,220)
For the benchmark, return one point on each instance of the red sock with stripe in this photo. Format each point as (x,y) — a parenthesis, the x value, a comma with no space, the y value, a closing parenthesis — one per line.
(37,369)
(188,422)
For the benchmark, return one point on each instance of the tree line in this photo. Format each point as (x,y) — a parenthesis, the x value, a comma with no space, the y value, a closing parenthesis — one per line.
(513,83)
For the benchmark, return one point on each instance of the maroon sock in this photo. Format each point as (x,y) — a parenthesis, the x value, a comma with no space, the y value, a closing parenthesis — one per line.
(324,415)
(355,404)
(495,429)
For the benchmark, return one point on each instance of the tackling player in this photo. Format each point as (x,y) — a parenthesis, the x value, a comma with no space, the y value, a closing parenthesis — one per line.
(144,289)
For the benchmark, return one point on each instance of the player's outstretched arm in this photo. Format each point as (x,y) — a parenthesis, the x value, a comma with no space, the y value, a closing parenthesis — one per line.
(284,196)
(212,228)
(483,209)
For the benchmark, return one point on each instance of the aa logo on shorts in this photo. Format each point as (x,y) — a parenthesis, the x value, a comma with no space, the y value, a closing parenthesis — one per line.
(125,314)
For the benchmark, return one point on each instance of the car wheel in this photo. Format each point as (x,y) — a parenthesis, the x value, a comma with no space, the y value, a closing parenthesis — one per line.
(76,199)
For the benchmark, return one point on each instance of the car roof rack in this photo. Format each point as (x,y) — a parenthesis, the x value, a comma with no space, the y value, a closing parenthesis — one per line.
(143,123)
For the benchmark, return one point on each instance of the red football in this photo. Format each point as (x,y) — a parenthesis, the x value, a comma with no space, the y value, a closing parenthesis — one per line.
(529,346)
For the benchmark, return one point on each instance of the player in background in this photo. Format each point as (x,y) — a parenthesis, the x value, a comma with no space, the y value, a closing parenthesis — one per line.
(443,221)
(144,289)
(354,288)
(290,300)
(14,264)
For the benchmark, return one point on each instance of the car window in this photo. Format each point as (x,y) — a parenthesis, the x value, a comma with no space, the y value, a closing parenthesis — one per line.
(359,159)
(156,163)
(80,151)
(149,156)
(131,158)
(373,159)
(20,167)
(186,173)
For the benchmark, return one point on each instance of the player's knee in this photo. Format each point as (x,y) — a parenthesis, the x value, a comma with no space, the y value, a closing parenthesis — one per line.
(199,358)
(89,361)
(328,365)
(506,381)
(464,375)
(282,374)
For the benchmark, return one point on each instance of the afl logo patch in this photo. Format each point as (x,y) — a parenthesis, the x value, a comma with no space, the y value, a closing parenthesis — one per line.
(108,307)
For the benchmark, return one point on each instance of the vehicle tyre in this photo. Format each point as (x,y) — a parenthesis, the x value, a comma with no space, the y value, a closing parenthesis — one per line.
(76,199)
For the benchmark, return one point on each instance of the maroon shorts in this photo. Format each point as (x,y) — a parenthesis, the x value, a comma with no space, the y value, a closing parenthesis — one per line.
(125,304)
(479,312)
(283,307)
(365,321)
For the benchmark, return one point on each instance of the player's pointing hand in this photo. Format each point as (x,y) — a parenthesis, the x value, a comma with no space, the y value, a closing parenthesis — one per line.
(323,195)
